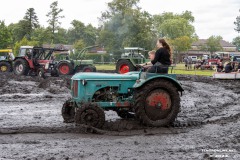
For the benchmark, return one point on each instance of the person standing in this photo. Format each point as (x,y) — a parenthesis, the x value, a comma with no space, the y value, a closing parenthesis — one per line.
(161,60)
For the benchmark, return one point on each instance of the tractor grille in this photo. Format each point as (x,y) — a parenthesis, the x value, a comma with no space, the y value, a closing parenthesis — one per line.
(75,88)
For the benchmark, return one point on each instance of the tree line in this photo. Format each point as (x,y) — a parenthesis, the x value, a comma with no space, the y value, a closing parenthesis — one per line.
(123,24)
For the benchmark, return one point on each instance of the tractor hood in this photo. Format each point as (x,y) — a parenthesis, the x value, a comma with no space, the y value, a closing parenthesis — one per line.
(105,76)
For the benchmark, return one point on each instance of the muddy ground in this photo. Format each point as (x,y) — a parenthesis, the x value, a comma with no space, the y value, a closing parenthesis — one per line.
(31,126)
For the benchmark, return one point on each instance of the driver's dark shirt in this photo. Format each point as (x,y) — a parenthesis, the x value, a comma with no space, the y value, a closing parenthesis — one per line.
(162,55)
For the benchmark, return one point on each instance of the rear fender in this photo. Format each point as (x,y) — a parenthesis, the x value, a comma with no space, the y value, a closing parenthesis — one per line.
(142,82)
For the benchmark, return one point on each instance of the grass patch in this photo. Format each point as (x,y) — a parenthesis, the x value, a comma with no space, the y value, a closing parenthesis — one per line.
(179,69)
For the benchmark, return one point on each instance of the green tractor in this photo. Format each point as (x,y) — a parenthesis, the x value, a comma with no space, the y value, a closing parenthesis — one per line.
(6,60)
(152,98)
(129,59)
(67,66)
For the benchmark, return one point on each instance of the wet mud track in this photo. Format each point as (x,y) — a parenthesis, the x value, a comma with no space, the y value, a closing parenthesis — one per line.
(32,126)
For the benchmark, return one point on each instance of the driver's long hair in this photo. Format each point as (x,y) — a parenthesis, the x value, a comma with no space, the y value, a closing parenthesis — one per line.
(165,45)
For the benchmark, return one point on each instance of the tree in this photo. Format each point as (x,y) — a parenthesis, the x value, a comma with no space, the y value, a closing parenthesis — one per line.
(42,35)
(171,25)
(24,42)
(237,23)
(31,21)
(5,35)
(54,17)
(213,44)
(236,42)
(81,32)
(124,24)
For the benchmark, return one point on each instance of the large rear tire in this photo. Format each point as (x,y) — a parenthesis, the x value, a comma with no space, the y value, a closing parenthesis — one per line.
(90,114)
(21,67)
(5,67)
(157,103)
(124,66)
(65,68)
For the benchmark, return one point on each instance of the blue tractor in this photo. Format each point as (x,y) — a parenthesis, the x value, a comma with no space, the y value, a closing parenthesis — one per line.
(152,98)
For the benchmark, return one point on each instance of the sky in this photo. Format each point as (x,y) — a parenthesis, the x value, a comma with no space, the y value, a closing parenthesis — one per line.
(212,17)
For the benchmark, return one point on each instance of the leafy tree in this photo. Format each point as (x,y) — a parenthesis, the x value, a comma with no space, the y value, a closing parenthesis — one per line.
(213,44)
(19,30)
(54,17)
(171,25)
(42,35)
(124,24)
(5,36)
(31,20)
(236,42)
(24,42)
(237,23)
(81,32)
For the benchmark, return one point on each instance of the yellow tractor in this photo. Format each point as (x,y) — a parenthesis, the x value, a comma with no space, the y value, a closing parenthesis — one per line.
(6,60)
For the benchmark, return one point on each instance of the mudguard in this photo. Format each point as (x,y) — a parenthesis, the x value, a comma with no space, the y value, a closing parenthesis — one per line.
(148,77)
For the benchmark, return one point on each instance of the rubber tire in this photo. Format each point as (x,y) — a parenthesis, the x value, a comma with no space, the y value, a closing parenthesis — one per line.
(68,112)
(55,73)
(69,66)
(6,64)
(140,96)
(90,68)
(99,122)
(41,73)
(124,62)
(25,66)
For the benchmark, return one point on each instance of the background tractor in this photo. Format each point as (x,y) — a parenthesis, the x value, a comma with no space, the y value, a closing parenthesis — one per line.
(129,59)
(6,58)
(153,98)
(68,66)
(34,60)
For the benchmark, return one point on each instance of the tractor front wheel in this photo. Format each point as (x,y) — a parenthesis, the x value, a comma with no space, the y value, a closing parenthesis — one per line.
(5,67)
(21,67)
(124,66)
(89,69)
(90,114)
(157,103)
(68,112)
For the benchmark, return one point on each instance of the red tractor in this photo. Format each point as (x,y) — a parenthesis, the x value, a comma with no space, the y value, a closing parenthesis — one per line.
(35,60)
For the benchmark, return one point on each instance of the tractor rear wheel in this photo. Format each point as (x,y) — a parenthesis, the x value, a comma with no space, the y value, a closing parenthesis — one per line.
(89,69)
(65,68)
(157,103)
(68,112)
(5,67)
(124,66)
(21,67)
(90,114)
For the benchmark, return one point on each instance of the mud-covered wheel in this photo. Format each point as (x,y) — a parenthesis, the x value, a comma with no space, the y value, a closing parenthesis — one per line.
(41,73)
(55,73)
(65,68)
(157,103)
(5,67)
(90,114)
(21,67)
(125,114)
(89,69)
(68,112)
(124,66)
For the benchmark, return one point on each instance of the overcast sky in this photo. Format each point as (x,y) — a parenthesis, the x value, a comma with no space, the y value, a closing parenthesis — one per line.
(212,17)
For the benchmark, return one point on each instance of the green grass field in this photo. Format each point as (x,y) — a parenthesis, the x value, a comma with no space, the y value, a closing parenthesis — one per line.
(179,69)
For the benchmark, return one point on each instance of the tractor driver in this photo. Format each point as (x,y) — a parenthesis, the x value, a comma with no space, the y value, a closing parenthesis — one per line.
(161,60)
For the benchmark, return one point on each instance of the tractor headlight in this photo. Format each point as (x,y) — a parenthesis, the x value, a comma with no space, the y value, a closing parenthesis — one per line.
(46,65)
